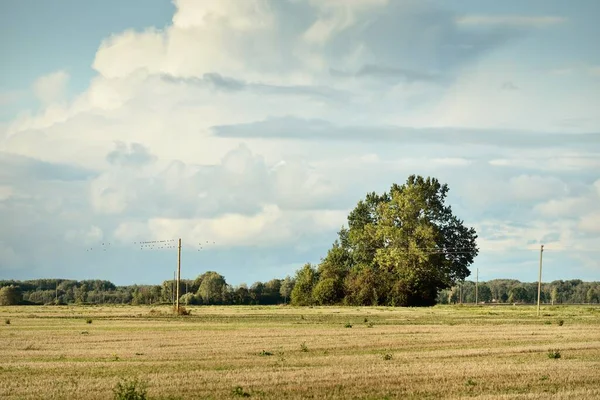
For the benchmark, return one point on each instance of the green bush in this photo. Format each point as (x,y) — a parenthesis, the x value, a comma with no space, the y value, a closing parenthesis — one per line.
(327,291)
(554,354)
(183,311)
(130,390)
(348,325)
(10,296)
(561,322)
(89,320)
(239,391)
(303,347)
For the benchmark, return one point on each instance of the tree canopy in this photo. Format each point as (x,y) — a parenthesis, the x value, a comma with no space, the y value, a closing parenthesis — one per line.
(400,248)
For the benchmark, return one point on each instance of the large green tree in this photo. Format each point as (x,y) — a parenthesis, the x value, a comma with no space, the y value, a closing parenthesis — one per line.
(400,248)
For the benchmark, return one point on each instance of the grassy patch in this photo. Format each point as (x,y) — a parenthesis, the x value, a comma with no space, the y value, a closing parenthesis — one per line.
(406,352)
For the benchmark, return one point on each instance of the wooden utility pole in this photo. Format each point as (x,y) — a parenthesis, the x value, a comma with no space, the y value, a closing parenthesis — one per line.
(178,274)
(477,287)
(540,281)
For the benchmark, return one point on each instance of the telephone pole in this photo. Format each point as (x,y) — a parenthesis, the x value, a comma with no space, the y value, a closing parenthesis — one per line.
(477,287)
(178,274)
(540,281)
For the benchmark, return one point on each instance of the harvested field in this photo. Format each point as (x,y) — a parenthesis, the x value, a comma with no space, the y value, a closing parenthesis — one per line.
(285,352)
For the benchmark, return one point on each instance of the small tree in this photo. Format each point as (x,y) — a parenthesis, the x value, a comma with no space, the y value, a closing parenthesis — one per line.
(326,292)
(484,293)
(10,296)
(287,285)
(187,299)
(592,296)
(306,278)
(211,288)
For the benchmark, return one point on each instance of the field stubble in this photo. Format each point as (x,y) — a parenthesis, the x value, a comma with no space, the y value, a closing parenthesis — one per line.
(286,352)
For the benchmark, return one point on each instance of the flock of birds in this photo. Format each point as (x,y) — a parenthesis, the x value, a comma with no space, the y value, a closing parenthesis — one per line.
(150,245)
(103,247)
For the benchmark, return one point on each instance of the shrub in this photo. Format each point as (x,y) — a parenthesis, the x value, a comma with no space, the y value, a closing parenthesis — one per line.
(184,311)
(366,320)
(7,321)
(10,295)
(387,356)
(303,347)
(554,354)
(239,391)
(265,353)
(130,390)
(370,325)
(348,325)
(327,291)
(561,322)
(470,382)
(89,320)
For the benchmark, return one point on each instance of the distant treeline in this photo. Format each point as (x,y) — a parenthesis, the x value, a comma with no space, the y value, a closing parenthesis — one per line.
(211,288)
(573,291)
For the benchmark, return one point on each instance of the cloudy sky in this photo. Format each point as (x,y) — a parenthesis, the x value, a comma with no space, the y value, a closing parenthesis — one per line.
(256,125)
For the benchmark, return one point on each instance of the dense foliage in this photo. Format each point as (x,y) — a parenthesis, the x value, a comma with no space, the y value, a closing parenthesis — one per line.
(43,291)
(208,288)
(513,291)
(400,249)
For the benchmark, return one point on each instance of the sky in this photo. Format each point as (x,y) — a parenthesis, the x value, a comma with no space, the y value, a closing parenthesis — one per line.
(250,128)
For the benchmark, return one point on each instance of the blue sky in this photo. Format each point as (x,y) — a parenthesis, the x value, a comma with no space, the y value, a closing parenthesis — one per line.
(257,125)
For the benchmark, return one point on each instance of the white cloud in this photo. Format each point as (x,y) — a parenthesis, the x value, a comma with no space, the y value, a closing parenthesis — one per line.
(571,206)
(10,97)
(51,88)
(590,223)
(91,236)
(528,187)
(6,192)
(144,130)
(594,70)
(271,227)
(335,16)
(511,20)
(564,162)
(9,259)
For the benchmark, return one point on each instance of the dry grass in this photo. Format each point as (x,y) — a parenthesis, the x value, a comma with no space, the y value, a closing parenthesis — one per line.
(440,352)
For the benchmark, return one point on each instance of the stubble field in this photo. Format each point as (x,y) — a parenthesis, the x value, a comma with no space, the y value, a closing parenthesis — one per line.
(284,352)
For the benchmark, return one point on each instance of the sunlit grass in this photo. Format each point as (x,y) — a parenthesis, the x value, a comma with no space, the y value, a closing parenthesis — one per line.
(286,352)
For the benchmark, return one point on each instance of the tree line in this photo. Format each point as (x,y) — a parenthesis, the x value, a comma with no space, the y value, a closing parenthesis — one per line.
(512,291)
(211,288)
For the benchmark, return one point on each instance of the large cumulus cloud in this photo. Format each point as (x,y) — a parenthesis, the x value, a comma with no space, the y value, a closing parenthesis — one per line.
(258,124)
